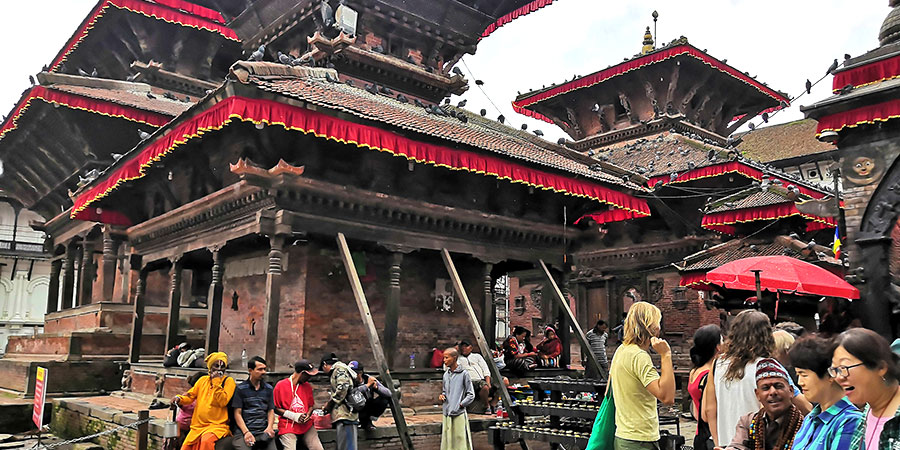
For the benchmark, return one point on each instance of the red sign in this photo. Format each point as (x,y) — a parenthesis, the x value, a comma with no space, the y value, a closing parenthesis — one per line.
(40,397)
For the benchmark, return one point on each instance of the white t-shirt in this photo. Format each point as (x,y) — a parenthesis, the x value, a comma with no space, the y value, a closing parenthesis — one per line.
(734,398)
(475,365)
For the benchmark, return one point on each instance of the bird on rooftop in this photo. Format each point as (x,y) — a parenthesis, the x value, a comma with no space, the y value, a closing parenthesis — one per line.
(673,176)
(150,96)
(457,71)
(590,153)
(462,103)
(259,53)
(561,141)
(418,103)
(402,98)
(143,135)
(808,86)
(284,59)
(371,88)
(626,178)
(691,165)
(349,82)
(846,56)
(330,78)
(501,118)
(833,67)
(479,83)
(169,95)
(846,89)
(378,49)
(483,112)
(31,79)
(538,133)
(385,90)
(462,118)
(327,14)
(765,117)
(132,77)
(83,73)
(524,126)
(116,156)
(794,235)
(595,108)
(751,126)
(94,73)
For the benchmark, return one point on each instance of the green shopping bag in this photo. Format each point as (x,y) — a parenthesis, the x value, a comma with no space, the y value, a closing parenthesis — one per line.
(604,432)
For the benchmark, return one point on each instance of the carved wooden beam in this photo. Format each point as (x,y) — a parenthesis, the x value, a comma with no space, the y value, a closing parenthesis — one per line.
(737,124)
(694,116)
(651,95)
(573,121)
(670,93)
(623,100)
(686,100)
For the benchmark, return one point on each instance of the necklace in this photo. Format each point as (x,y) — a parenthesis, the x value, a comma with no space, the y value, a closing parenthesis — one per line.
(879,420)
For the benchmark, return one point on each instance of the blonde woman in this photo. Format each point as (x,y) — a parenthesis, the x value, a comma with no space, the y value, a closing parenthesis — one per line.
(635,383)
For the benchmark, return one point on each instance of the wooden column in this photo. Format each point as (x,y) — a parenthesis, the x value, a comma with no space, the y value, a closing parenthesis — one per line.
(273,298)
(53,288)
(579,333)
(392,310)
(214,302)
(174,302)
(479,337)
(137,319)
(130,263)
(86,282)
(488,312)
(108,266)
(377,350)
(68,292)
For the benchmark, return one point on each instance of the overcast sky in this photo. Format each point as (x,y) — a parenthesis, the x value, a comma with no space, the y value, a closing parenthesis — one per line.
(782,42)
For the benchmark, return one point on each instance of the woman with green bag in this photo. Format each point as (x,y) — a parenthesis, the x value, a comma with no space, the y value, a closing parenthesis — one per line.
(633,377)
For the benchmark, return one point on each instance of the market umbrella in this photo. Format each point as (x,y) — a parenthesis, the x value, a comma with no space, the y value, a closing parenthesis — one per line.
(781,273)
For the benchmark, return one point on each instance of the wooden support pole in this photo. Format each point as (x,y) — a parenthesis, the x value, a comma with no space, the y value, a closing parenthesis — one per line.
(53,288)
(273,298)
(174,303)
(374,342)
(488,312)
(392,309)
(137,319)
(108,266)
(579,333)
(86,284)
(143,431)
(214,303)
(479,336)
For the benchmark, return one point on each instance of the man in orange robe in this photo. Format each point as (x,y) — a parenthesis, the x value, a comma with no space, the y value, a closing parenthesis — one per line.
(211,396)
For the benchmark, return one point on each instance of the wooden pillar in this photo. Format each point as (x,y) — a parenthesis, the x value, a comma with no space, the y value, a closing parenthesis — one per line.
(137,319)
(130,263)
(273,298)
(53,288)
(174,302)
(214,302)
(68,292)
(392,310)
(86,282)
(108,266)
(489,313)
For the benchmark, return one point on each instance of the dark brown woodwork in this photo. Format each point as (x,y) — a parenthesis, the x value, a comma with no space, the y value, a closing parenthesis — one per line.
(130,262)
(214,302)
(86,275)
(137,322)
(53,288)
(108,266)
(273,297)
(175,273)
(374,343)
(673,86)
(392,308)
(68,300)
(488,311)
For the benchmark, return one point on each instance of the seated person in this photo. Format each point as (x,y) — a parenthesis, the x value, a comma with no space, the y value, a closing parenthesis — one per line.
(210,396)
(479,373)
(186,412)
(171,357)
(774,426)
(550,348)
(516,358)
(378,397)
(254,410)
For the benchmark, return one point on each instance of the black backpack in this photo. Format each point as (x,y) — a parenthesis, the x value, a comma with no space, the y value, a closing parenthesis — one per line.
(356,398)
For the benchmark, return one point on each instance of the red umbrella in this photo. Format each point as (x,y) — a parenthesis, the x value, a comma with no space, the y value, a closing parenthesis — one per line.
(781,273)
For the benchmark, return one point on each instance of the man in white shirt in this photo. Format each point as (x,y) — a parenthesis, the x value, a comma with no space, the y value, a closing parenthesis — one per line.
(478,370)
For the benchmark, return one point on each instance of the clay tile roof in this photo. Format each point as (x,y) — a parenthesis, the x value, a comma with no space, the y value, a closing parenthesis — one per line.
(662,154)
(479,132)
(125,97)
(717,258)
(751,198)
(784,141)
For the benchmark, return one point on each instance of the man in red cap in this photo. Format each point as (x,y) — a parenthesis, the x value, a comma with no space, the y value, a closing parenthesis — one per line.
(774,426)
(294,404)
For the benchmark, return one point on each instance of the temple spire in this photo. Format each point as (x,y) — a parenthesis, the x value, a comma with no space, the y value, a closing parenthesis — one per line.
(648,42)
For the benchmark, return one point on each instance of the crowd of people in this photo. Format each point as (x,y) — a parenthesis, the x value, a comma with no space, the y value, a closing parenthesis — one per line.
(218,413)
(759,388)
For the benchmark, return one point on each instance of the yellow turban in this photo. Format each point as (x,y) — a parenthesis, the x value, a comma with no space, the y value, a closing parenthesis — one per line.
(215,356)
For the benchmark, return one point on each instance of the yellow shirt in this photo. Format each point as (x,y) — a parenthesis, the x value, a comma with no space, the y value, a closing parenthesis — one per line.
(631,371)
(211,400)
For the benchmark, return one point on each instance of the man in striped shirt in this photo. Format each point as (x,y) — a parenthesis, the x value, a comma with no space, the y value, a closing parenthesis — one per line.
(596,338)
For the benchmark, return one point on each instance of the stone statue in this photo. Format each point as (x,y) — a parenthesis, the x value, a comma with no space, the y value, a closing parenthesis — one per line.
(126,380)
(160,384)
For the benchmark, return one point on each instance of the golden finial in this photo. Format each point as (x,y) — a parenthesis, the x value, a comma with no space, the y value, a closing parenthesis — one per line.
(648,42)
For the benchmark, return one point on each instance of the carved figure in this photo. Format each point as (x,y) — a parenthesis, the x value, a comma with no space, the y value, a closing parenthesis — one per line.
(160,384)
(126,380)
(863,169)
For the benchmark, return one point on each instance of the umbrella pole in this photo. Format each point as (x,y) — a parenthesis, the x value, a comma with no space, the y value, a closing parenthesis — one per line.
(758,287)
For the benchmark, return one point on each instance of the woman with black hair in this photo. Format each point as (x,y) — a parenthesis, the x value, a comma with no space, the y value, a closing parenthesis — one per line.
(868,371)
(707,340)
(831,423)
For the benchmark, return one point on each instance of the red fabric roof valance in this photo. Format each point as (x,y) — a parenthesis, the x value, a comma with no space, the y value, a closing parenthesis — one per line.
(879,112)
(725,168)
(193,9)
(520,106)
(519,12)
(695,280)
(363,136)
(156,11)
(874,72)
(82,103)
(723,221)
(613,215)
